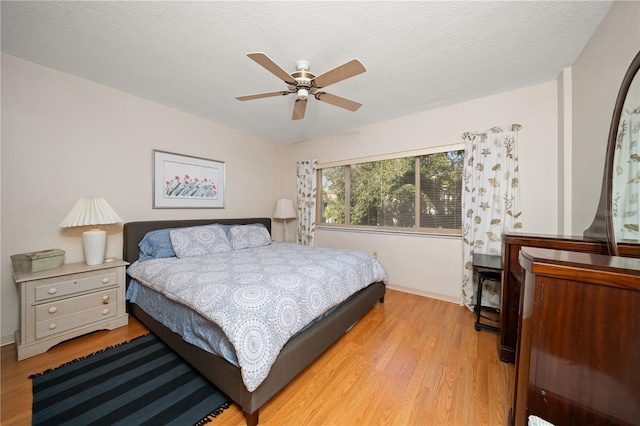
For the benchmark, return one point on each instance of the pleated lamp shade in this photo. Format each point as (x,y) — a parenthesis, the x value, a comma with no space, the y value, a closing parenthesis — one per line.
(92,212)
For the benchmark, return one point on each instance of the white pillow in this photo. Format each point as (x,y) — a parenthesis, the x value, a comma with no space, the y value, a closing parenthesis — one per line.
(247,236)
(199,241)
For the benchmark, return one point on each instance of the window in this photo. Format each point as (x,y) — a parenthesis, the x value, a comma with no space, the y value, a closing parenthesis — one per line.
(418,193)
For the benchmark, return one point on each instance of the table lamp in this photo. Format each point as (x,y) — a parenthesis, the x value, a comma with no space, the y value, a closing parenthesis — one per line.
(284,210)
(92,212)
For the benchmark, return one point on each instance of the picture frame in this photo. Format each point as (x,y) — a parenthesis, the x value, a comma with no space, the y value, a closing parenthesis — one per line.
(183,182)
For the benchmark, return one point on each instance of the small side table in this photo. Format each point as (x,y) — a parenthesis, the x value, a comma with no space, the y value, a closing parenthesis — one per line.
(69,301)
(488,268)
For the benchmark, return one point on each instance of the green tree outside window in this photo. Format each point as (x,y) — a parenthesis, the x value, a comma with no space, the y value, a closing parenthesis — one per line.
(383,193)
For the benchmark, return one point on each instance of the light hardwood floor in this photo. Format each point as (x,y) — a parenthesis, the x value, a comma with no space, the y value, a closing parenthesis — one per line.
(409,361)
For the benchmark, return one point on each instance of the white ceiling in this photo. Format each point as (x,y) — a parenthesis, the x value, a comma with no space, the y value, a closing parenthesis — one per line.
(192,55)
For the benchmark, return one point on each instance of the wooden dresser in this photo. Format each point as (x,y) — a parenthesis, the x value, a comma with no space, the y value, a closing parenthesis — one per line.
(69,301)
(579,339)
(512,278)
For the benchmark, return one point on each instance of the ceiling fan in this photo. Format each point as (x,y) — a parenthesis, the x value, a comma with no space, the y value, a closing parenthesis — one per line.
(303,83)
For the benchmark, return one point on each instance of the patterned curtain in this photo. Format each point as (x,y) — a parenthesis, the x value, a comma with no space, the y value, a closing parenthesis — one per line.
(490,202)
(306,201)
(626,177)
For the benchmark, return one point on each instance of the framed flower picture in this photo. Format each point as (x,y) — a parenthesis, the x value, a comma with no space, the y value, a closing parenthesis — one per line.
(183,181)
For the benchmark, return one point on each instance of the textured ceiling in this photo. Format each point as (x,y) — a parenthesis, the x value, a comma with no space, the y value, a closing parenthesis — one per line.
(192,55)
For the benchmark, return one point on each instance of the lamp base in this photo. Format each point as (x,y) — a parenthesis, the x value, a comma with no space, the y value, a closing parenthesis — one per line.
(285,230)
(94,242)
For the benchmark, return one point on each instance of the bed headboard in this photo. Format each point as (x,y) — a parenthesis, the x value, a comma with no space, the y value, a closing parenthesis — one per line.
(134,232)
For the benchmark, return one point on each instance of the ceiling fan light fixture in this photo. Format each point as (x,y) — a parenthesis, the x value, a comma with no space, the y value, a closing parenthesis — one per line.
(303,94)
(303,83)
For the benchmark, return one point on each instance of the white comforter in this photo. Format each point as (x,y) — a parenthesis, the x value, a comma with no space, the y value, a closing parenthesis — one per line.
(260,297)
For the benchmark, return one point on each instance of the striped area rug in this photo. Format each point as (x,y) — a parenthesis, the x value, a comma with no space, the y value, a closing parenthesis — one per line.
(135,383)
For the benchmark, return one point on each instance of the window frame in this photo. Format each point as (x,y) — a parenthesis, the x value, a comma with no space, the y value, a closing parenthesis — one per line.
(386,229)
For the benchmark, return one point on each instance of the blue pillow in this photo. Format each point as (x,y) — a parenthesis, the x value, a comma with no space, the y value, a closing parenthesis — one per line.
(156,245)
(225,228)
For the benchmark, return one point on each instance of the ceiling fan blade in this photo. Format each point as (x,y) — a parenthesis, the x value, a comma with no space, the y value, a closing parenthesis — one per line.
(344,71)
(338,101)
(272,67)
(262,95)
(298,109)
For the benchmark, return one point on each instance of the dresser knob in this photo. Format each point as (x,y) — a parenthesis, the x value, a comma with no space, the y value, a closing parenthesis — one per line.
(105,280)
(53,290)
(105,311)
(52,326)
(53,310)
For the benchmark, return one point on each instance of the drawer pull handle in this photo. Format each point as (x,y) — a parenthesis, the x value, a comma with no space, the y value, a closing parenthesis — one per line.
(52,326)
(53,290)
(105,311)
(53,310)
(105,280)
(105,300)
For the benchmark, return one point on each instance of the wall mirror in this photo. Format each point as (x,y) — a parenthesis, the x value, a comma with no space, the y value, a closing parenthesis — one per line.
(617,219)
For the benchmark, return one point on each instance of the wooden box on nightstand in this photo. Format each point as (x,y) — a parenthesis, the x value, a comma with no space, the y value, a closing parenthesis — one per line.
(69,301)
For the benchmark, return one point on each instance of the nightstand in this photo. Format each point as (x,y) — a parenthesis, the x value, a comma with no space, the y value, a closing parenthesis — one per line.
(69,301)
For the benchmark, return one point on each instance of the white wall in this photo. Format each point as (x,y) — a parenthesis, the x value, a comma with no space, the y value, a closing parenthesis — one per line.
(565,140)
(432,266)
(64,138)
(597,75)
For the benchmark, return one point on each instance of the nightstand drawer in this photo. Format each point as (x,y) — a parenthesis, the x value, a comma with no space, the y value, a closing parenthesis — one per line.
(51,288)
(68,322)
(53,310)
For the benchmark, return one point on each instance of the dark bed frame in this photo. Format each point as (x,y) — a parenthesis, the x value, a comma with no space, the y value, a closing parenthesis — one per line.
(295,356)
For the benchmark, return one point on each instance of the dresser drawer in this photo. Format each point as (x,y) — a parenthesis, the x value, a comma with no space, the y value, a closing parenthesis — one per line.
(59,308)
(67,322)
(48,289)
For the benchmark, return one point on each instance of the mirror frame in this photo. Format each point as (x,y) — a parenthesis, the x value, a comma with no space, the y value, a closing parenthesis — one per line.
(602,226)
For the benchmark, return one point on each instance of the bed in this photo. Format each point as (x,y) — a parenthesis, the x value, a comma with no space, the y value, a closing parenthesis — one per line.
(296,354)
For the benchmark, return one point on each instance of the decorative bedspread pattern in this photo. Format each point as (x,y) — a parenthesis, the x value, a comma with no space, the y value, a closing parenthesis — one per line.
(262,296)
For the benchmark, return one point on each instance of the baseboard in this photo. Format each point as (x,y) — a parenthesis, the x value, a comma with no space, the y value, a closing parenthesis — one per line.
(430,295)
(7,340)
